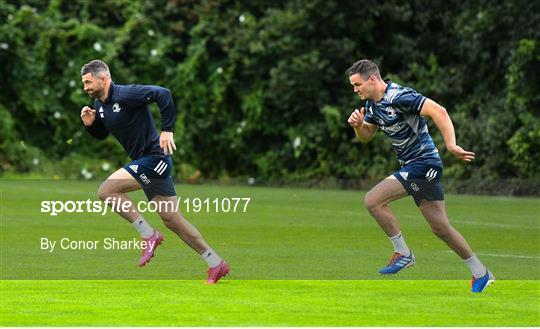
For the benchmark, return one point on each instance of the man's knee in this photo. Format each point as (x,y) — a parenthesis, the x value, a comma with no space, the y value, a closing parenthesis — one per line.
(105,191)
(371,202)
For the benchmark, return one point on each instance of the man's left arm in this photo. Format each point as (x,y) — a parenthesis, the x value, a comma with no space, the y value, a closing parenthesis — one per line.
(443,122)
(146,94)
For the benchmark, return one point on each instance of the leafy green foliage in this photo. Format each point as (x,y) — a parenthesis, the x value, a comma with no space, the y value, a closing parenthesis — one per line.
(260,87)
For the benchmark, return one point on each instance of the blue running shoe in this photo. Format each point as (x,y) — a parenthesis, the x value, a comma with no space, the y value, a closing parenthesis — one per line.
(397,263)
(480,284)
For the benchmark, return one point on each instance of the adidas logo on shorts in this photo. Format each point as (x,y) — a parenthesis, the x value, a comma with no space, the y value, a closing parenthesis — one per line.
(404,174)
(134,168)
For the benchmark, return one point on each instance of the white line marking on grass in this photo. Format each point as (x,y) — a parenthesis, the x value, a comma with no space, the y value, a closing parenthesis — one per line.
(532,224)
(503,255)
(492,224)
(509,256)
(61,190)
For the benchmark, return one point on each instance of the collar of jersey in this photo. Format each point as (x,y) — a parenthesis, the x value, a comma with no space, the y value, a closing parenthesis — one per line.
(111,89)
(388,83)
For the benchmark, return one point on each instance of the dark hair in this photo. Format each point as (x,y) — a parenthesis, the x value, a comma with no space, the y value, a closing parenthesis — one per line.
(365,68)
(96,67)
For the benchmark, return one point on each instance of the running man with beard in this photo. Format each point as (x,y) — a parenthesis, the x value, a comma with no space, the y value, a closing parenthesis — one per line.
(122,110)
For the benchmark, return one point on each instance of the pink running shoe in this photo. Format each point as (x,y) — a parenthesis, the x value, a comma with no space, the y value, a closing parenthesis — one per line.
(151,245)
(216,273)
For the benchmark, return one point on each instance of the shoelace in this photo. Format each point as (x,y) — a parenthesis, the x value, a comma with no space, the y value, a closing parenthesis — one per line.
(394,258)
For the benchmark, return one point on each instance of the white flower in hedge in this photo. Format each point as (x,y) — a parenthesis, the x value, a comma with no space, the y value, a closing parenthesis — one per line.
(57,115)
(251,180)
(35,161)
(45,92)
(72,83)
(241,18)
(86,174)
(153,52)
(219,70)
(106,166)
(297,141)
(97,46)
(4,46)
(151,32)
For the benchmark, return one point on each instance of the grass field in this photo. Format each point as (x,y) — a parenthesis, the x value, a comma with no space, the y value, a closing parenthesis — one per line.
(299,258)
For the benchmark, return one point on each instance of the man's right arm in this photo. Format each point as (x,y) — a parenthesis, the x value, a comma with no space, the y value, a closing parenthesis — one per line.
(93,125)
(364,131)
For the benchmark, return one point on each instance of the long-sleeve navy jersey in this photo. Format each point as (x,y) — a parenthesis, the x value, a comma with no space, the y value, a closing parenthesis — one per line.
(125,114)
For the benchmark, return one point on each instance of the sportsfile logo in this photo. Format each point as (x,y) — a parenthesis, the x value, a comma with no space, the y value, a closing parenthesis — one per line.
(113,204)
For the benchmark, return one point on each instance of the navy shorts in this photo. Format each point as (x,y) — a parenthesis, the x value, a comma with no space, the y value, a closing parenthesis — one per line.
(422,181)
(153,172)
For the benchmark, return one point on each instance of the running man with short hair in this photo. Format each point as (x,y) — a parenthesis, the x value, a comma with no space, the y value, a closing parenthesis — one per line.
(399,112)
(122,110)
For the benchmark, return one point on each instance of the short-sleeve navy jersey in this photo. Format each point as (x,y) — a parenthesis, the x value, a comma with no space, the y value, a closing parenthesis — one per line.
(398,115)
(125,114)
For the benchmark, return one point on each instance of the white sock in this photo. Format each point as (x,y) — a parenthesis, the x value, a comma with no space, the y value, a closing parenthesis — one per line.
(211,258)
(399,244)
(143,227)
(475,265)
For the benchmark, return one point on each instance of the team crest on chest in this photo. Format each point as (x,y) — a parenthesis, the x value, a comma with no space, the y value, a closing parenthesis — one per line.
(391,112)
(116,107)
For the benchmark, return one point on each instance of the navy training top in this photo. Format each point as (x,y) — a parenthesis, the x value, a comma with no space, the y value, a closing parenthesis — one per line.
(125,114)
